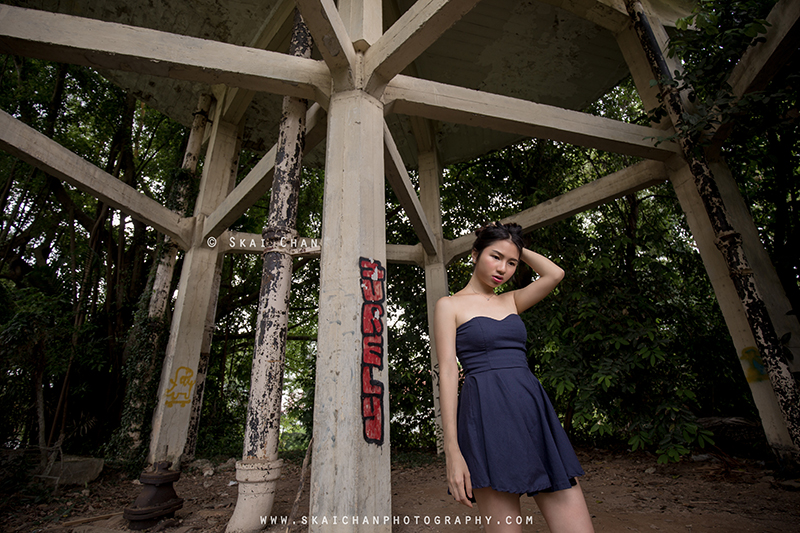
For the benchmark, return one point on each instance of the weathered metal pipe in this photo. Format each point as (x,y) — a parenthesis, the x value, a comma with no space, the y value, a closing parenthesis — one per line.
(260,467)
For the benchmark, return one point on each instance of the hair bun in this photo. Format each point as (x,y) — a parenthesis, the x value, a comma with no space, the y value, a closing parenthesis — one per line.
(514,228)
(497,231)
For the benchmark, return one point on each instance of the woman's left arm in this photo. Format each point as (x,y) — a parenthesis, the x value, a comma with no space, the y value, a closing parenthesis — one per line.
(550,274)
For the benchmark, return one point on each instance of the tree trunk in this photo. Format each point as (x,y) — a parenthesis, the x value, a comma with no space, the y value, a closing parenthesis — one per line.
(38,383)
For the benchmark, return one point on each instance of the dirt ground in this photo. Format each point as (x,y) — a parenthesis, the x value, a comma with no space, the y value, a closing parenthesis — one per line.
(625,492)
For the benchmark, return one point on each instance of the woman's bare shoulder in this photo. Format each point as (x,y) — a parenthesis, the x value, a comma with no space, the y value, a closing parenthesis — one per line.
(444,303)
(447,305)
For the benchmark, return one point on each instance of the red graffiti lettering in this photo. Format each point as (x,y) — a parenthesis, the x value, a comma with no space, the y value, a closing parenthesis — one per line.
(371,323)
(373,422)
(372,350)
(369,385)
(373,290)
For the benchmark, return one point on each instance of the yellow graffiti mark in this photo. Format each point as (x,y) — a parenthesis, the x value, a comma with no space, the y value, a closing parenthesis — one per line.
(181,387)
(754,370)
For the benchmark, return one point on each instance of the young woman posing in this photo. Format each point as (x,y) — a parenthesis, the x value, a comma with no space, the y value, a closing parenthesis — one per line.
(502,437)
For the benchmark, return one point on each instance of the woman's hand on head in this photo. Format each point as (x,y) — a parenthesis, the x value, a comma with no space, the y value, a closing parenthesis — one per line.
(458,480)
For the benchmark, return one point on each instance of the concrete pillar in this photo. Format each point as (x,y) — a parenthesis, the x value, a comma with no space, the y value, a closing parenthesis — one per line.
(202,365)
(145,352)
(731,306)
(436,285)
(363,20)
(179,373)
(769,284)
(351,462)
(726,229)
(166,265)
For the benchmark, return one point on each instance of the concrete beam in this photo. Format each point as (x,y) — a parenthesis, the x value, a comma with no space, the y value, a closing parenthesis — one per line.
(609,15)
(397,176)
(447,103)
(363,20)
(276,28)
(761,62)
(259,180)
(436,283)
(634,178)
(639,67)
(410,36)
(730,304)
(172,414)
(27,144)
(107,45)
(330,35)
(612,14)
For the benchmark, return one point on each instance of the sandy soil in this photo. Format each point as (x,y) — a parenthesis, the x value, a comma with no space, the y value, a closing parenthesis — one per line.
(625,492)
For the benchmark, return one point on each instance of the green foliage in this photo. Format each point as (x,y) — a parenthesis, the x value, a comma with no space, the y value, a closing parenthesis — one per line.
(709,43)
(34,338)
(129,443)
(72,270)
(763,145)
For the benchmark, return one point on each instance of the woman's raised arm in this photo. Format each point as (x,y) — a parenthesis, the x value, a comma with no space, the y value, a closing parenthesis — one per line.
(550,275)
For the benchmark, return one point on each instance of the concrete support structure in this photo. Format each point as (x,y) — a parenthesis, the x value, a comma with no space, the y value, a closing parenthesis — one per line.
(436,284)
(179,374)
(162,281)
(351,476)
(760,387)
(359,84)
(202,365)
(735,240)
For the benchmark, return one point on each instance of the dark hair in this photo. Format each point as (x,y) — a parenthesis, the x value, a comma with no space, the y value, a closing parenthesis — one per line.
(498,232)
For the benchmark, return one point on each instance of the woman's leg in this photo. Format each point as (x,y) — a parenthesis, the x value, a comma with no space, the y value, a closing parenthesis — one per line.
(565,511)
(502,507)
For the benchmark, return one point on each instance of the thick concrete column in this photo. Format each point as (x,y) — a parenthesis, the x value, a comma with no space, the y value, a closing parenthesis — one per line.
(763,395)
(179,373)
(202,364)
(351,463)
(436,285)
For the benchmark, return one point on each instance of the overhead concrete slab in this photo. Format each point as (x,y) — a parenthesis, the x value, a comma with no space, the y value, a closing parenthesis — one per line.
(533,50)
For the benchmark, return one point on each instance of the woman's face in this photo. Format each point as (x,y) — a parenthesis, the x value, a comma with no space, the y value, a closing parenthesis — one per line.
(496,263)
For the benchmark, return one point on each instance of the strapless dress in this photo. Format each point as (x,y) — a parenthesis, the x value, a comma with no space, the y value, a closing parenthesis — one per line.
(508,431)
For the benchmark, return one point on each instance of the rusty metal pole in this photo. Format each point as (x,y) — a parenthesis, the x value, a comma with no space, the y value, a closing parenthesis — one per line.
(260,467)
(728,240)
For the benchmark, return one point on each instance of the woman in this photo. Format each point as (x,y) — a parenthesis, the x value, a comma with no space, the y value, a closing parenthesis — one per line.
(502,437)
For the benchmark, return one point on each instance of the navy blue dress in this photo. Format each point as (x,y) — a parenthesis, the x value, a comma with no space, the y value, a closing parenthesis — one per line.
(508,431)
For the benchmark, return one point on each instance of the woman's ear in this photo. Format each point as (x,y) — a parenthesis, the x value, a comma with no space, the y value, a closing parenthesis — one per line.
(474,255)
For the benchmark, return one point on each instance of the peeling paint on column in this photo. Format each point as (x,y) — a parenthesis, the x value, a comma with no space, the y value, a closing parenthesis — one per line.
(728,240)
(373,290)
(262,429)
